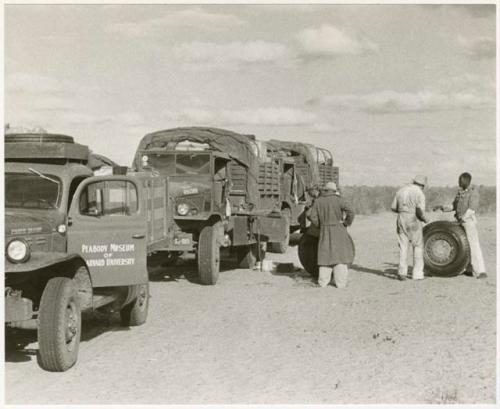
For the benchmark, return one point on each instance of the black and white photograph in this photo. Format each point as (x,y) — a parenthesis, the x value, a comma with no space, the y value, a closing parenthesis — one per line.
(250,204)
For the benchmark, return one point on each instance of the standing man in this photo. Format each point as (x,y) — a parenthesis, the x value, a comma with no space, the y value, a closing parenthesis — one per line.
(332,215)
(409,204)
(465,206)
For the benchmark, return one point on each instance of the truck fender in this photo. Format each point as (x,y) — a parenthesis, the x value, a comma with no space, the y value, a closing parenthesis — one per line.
(75,267)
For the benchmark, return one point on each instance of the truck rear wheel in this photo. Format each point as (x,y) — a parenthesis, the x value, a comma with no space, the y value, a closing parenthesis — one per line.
(59,325)
(308,254)
(282,247)
(136,312)
(208,256)
(446,249)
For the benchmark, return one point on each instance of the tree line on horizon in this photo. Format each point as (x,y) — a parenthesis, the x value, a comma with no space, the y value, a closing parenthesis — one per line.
(377,199)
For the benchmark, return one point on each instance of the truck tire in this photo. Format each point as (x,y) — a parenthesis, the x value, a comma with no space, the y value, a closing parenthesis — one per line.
(308,254)
(208,256)
(282,247)
(59,327)
(446,249)
(136,313)
(247,256)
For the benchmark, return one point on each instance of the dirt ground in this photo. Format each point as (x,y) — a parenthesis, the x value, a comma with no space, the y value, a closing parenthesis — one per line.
(259,337)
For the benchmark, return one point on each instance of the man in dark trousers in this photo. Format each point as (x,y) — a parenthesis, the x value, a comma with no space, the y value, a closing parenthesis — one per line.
(332,215)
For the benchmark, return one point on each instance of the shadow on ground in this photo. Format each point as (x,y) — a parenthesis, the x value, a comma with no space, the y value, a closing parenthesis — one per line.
(93,325)
(390,272)
(186,268)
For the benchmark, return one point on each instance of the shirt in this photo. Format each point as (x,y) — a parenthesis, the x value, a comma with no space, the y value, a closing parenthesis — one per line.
(466,199)
(408,198)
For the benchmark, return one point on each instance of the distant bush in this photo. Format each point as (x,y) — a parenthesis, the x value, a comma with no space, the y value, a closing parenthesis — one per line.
(376,199)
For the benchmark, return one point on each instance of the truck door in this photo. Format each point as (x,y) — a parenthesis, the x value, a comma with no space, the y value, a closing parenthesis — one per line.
(107,227)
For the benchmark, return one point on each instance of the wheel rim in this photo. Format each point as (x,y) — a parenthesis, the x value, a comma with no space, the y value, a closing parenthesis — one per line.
(142,298)
(71,319)
(440,249)
(217,258)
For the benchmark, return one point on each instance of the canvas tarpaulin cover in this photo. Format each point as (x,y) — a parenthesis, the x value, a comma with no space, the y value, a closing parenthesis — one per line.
(305,149)
(242,148)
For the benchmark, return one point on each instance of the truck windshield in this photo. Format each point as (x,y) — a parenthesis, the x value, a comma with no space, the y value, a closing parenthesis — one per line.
(30,191)
(181,163)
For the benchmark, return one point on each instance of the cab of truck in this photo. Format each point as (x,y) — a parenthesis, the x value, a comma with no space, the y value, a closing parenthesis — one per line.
(69,243)
(197,180)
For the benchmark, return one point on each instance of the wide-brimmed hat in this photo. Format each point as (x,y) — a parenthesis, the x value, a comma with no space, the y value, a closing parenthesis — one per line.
(331,186)
(420,180)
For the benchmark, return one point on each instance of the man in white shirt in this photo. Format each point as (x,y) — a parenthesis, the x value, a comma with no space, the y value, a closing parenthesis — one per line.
(409,204)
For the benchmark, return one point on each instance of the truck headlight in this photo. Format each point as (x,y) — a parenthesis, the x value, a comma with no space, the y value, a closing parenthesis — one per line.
(183,209)
(18,251)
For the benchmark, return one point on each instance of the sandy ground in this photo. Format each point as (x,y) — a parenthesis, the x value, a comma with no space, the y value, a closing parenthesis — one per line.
(261,337)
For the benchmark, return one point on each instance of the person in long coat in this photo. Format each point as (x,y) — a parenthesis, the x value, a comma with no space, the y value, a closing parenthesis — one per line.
(331,213)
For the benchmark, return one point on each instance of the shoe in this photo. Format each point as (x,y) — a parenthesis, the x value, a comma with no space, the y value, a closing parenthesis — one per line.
(401,277)
(482,276)
(468,273)
(418,279)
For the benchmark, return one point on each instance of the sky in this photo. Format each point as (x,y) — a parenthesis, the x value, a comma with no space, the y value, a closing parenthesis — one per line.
(391,90)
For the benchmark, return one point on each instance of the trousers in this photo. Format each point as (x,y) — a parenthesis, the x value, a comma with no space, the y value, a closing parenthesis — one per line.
(340,274)
(476,255)
(409,230)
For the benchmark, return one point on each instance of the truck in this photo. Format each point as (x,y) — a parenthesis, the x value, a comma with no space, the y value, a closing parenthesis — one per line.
(303,166)
(222,193)
(75,242)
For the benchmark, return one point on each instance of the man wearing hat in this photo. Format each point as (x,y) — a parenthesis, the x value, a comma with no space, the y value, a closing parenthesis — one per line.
(331,214)
(409,204)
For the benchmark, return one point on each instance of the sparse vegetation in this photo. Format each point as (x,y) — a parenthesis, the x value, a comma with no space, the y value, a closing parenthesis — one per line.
(376,199)
(444,396)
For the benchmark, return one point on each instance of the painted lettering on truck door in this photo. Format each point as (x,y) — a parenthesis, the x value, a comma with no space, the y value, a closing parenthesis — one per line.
(107,227)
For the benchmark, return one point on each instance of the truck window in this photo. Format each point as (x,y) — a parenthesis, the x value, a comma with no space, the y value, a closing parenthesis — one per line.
(30,191)
(192,163)
(181,163)
(165,164)
(109,198)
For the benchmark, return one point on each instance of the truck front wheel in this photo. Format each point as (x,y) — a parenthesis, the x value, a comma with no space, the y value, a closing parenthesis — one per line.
(208,256)
(59,325)
(136,312)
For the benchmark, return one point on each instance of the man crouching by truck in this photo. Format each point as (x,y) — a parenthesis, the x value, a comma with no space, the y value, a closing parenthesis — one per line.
(465,206)
(332,215)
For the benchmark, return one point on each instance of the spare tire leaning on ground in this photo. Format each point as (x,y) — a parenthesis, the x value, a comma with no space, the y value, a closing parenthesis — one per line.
(446,249)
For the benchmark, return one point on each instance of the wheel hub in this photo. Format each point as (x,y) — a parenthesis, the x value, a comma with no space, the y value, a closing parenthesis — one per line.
(71,325)
(440,250)
(142,298)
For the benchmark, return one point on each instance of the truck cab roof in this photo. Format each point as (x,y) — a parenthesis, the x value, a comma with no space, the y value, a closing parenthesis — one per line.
(50,148)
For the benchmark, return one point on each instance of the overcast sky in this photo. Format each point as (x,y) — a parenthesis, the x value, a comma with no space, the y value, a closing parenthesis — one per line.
(391,90)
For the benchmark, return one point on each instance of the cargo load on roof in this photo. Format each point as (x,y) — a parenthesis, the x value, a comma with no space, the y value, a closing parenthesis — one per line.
(51,148)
